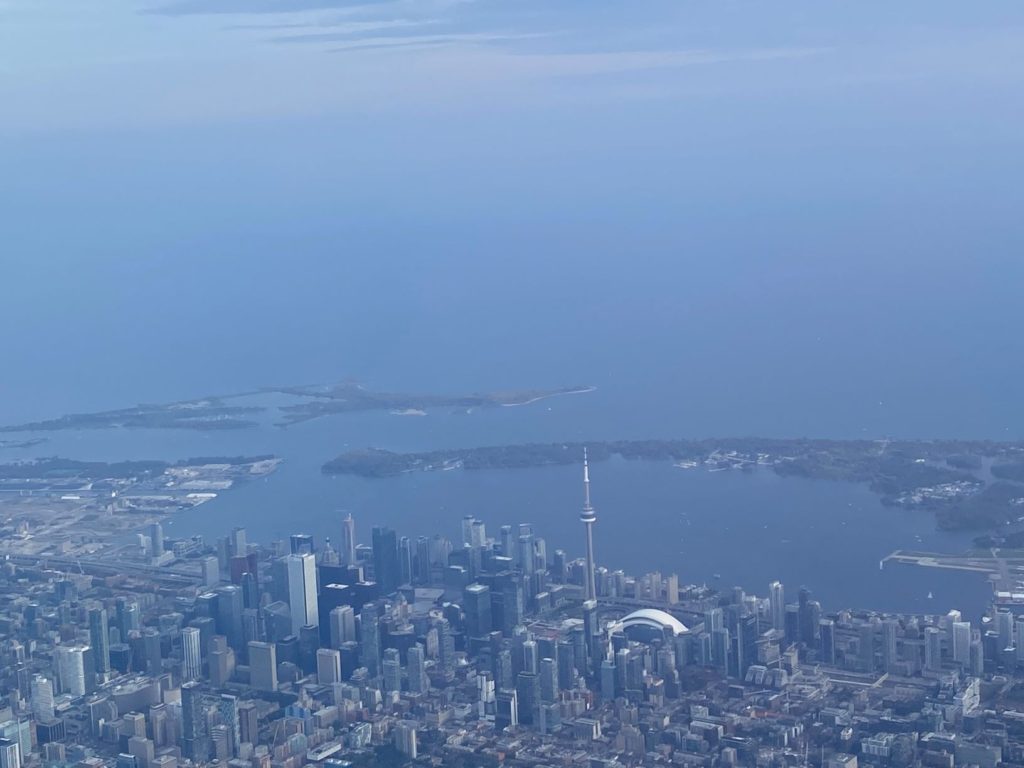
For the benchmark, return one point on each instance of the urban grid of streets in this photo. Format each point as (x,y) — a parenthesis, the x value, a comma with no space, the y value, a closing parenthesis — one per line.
(485,651)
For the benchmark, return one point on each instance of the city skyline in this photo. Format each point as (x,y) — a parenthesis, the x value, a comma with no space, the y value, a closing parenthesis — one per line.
(734,635)
(315,310)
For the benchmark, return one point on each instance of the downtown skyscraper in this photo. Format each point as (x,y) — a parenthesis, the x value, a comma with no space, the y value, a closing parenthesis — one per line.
(302,594)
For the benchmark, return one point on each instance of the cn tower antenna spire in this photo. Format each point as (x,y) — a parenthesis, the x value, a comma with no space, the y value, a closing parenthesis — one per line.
(586,480)
(588,517)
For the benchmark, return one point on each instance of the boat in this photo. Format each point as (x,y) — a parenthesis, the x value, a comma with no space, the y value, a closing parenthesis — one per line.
(931,596)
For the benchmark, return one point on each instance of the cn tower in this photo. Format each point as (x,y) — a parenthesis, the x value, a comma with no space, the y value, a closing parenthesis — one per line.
(589,518)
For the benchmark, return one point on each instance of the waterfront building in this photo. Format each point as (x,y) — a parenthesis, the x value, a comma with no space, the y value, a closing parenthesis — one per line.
(889,644)
(777,605)
(156,542)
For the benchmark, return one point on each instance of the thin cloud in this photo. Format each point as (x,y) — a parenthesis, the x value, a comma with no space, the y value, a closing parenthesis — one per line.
(569,64)
(271,7)
(353,26)
(270,27)
(532,66)
(348,30)
(429,41)
(239,7)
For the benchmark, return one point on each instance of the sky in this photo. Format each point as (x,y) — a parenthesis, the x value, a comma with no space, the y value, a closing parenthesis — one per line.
(281,190)
(125,64)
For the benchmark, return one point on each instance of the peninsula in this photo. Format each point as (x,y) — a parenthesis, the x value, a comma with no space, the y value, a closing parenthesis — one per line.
(307,402)
(22,444)
(351,397)
(210,413)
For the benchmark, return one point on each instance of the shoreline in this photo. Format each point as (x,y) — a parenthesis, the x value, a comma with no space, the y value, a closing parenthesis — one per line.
(967,485)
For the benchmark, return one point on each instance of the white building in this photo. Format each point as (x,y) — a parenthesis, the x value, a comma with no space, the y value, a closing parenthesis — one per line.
(42,699)
(191,654)
(302,598)
(71,668)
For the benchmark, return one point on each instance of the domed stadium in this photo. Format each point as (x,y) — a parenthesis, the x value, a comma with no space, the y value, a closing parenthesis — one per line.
(648,624)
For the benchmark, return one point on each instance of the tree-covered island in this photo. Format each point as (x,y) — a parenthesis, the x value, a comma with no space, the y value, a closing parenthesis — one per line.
(967,484)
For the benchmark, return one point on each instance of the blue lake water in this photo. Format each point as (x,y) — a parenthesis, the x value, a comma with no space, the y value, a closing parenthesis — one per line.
(766,254)
(795,290)
(726,528)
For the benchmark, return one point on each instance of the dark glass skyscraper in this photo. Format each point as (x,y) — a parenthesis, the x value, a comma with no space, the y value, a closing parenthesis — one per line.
(828,641)
(422,560)
(369,640)
(528,694)
(229,615)
(385,559)
(746,644)
(810,614)
(99,638)
(195,740)
(476,602)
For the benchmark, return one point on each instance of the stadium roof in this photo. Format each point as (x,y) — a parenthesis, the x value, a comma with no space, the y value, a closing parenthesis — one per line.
(652,617)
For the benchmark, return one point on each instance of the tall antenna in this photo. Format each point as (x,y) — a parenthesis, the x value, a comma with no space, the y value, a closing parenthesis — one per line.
(586,481)
(588,518)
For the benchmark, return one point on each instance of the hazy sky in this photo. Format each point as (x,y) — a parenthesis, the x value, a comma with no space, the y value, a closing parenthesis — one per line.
(279,190)
(128,63)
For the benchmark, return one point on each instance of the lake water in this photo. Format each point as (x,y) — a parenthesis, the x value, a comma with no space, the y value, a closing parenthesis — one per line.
(749,255)
(723,300)
(725,528)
